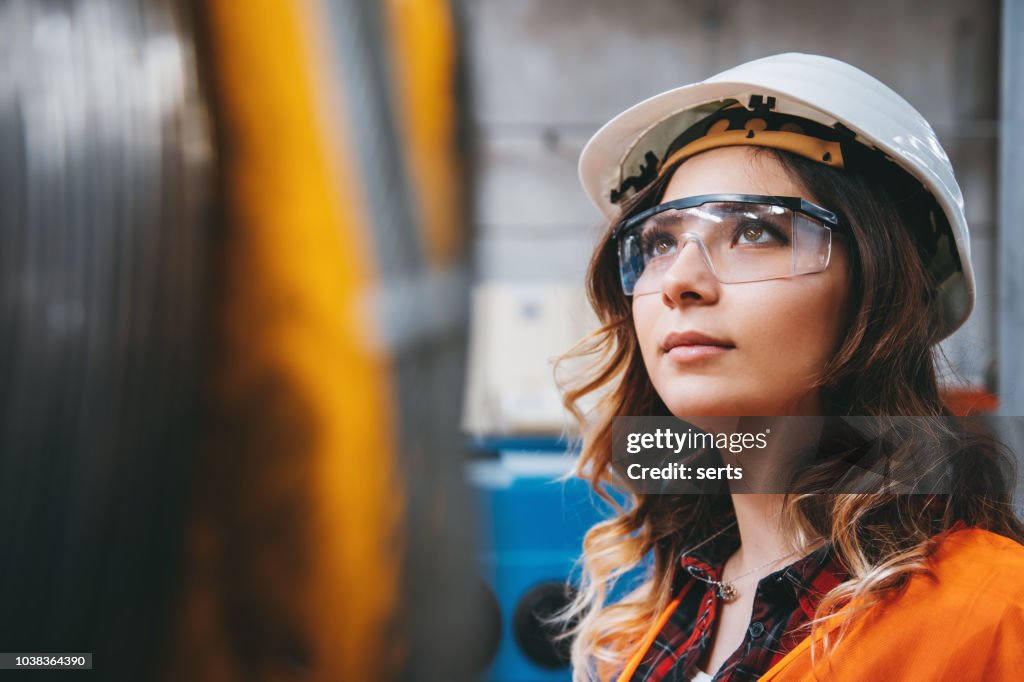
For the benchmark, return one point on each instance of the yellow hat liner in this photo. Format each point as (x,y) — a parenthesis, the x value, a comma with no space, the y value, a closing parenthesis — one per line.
(790,138)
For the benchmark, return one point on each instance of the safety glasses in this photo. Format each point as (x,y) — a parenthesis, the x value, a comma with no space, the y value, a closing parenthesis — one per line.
(741,237)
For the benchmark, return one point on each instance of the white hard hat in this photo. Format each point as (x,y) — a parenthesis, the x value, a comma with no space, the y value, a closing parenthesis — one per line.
(821,89)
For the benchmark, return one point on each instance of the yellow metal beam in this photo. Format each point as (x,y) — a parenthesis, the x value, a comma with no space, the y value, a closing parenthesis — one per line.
(297,526)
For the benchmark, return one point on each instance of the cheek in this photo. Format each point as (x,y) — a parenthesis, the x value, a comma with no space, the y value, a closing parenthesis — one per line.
(797,330)
(646,312)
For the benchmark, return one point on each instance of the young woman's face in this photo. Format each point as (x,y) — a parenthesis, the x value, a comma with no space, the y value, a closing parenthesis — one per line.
(776,335)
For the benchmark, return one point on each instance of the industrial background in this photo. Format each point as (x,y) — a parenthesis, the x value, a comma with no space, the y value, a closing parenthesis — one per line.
(281,283)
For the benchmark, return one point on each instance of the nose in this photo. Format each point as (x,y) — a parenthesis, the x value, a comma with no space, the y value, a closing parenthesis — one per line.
(690,278)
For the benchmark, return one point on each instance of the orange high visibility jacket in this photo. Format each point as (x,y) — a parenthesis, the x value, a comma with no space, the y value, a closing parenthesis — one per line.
(965,622)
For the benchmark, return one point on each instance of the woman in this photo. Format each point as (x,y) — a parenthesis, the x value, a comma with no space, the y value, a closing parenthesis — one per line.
(786,238)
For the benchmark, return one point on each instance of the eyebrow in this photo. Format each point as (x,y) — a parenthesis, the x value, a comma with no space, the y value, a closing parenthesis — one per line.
(743,207)
(733,207)
(724,207)
(733,202)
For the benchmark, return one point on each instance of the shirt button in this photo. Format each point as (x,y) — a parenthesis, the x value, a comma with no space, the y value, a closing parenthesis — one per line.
(756,629)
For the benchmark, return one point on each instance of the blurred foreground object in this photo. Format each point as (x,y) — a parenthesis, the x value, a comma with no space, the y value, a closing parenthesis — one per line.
(105,174)
(297,512)
(215,464)
(327,540)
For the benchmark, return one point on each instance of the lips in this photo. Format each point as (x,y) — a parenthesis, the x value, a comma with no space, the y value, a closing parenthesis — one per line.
(692,340)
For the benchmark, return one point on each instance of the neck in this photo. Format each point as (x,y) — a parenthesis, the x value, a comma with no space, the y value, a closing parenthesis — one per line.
(761,537)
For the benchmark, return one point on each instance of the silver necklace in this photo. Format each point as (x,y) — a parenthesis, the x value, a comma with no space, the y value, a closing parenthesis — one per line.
(727,588)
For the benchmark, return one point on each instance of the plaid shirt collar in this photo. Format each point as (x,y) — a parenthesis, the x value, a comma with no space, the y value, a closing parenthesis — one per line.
(785,600)
(802,577)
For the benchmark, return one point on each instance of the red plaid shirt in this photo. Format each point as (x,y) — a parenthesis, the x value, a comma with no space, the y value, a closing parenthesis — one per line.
(784,601)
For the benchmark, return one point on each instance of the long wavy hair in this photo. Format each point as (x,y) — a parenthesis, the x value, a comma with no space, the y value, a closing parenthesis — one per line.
(884,365)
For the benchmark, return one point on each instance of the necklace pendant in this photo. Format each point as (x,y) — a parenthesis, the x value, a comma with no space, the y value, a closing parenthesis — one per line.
(727,591)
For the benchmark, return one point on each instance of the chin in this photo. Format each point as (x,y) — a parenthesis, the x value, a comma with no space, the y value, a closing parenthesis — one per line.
(701,402)
(707,408)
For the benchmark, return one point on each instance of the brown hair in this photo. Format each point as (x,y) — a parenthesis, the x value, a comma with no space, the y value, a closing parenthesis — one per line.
(885,365)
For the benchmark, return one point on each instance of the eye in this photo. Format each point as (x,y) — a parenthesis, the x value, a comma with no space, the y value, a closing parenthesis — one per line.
(758,233)
(753,234)
(656,243)
(662,246)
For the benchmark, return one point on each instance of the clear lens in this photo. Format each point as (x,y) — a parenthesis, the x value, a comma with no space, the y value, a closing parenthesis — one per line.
(739,242)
